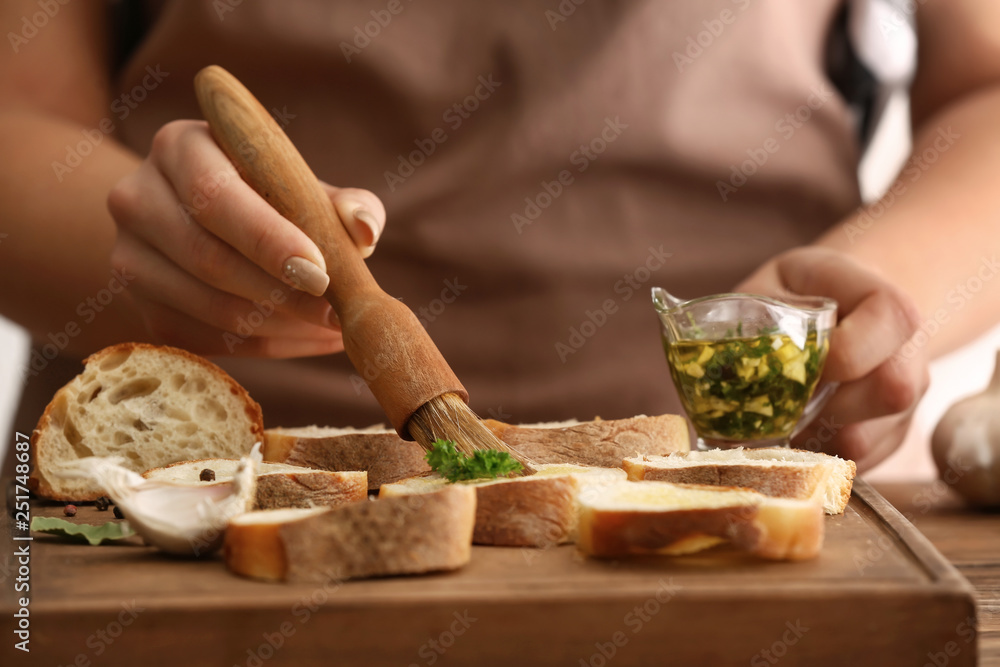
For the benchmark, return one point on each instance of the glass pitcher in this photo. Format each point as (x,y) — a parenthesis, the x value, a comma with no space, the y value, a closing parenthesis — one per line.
(747,366)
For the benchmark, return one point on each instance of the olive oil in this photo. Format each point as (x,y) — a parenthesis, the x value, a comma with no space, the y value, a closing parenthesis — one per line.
(745,388)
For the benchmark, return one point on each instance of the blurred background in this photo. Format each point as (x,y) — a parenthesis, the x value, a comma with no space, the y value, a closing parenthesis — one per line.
(963,372)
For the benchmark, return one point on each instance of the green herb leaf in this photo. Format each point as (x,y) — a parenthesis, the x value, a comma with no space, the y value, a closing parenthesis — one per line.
(453,465)
(82,532)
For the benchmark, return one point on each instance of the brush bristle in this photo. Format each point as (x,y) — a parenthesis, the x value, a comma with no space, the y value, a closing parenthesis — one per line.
(447,417)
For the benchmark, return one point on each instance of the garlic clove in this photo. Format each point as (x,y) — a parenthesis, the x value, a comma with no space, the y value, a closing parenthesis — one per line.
(181,519)
(966,446)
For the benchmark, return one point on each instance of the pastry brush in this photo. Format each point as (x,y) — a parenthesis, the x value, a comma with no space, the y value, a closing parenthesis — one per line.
(413,383)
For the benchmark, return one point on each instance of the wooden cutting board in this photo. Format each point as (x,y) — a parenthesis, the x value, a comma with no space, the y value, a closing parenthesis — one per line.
(879,594)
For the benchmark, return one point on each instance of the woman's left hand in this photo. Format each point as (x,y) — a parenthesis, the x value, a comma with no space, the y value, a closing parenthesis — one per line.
(881,383)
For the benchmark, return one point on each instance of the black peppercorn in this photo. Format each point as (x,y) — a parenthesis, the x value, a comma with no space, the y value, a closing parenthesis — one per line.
(118,513)
(207,475)
(103,503)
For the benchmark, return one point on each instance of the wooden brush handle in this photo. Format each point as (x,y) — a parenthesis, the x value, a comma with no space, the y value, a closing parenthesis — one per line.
(383,338)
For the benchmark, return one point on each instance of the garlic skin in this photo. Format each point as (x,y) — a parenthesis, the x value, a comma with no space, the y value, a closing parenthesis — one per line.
(180,519)
(966,446)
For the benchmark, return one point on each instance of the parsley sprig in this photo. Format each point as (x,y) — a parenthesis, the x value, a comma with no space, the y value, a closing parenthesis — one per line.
(455,466)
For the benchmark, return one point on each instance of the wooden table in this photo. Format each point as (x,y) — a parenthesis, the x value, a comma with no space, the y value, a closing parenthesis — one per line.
(970,540)
(91,625)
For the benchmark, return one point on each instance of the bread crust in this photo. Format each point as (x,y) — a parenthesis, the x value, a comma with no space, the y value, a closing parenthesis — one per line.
(311,489)
(780,473)
(391,536)
(599,443)
(537,511)
(611,533)
(384,456)
(39,481)
(788,530)
(669,521)
(255,550)
(776,481)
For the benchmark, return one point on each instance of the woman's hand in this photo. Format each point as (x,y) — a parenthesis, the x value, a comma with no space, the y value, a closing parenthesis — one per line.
(868,416)
(217,270)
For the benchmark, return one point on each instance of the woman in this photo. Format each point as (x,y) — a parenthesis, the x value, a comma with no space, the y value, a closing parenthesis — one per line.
(541,167)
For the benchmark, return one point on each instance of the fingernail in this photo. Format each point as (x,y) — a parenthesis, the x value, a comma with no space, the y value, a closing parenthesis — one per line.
(332,319)
(306,276)
(367,218)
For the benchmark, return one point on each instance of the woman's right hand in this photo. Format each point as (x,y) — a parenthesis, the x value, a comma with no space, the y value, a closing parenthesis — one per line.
(217,270)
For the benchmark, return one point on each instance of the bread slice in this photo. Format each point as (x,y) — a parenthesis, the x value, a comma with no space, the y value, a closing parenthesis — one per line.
(628,518)
(377,450)
(388,458)
(539,510)
(600,443)
(390,536)
(784,473)
(150,405)
(279,486)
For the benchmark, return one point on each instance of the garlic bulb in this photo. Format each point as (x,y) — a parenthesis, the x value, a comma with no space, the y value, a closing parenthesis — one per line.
(966,445)
(181,519)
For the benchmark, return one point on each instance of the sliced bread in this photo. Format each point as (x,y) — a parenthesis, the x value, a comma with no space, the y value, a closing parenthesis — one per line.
(630,518)
(377,450)
(600,442)
(390,536)
(539,510)
(150,405)
(279,486)
(783,473)
(388,458)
